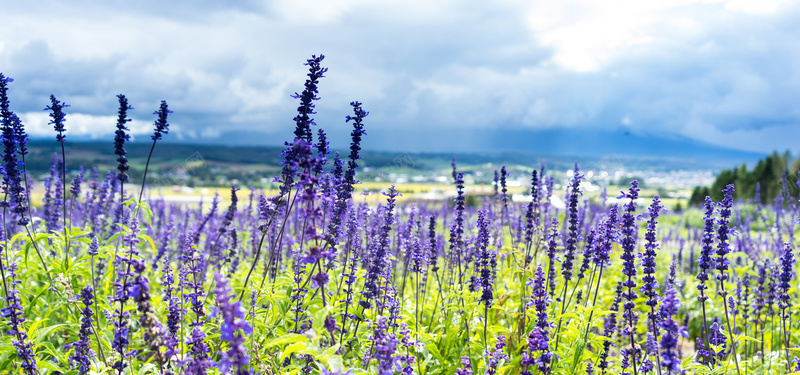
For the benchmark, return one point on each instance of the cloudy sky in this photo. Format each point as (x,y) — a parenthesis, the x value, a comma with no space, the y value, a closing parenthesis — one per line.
(724,72)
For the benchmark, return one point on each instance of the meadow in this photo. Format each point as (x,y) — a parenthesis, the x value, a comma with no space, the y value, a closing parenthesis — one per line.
(103,276)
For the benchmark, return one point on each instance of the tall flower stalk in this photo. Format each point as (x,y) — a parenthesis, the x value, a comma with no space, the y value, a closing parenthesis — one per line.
(649,283)
(161,127)
(784,300)
(629,268)
(705,263)
(58,117)
(722,262)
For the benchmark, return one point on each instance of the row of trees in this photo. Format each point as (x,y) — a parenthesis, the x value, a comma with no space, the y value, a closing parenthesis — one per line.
(773,176)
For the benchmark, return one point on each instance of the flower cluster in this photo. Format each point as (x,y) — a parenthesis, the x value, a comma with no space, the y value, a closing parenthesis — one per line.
(120,137)
(232,328)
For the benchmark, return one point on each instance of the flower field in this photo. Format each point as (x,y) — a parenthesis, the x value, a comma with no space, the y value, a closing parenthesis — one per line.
(99,278)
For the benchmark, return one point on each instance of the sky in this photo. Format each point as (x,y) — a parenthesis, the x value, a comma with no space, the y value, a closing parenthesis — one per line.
(722,72)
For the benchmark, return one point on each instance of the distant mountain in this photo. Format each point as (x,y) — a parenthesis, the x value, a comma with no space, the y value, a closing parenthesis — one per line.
(559,146)
(572,143)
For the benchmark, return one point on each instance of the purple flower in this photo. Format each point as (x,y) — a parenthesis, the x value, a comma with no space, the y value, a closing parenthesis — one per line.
(504,189)
(323,150)
(670,358)
(466,366)
(485,261)
(608,235)
(572,239)
(14,192)
(649,283)
(705,262)
(198,361)
(325,371)
(723,232)
(344,190)
(538,338)
(13,312)
(457,232)
(228,219)
(75,189)
(378,263)
(82,347)
(384,348)
(628,265)
(303,119)
(609,326)
(552,245)
(58,117)
(531,210)
(495,356)
(785,277)
(233,328)
(120,137)
(161,125)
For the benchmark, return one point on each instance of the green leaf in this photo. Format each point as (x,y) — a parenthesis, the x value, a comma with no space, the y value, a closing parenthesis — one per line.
(435,351)
(747,338)
(147,368)
(291,349)
(50,365)
(34,326)
(150,241)
(287,339)
(47,330)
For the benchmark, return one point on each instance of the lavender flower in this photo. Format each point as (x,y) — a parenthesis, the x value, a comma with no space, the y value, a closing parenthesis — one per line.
(485,261)
(572,239)
(609,327)
(649,283)
(705,262)
(784,300)
(82,347)
(538,338)
(628,265)
(161,125)
(13,189)
(345,188)
(458,225)
(323,150)
(120,137)
(13,312)
(552,245)
(75,188)
(494,357)
(608,234)
(723,232)
(20,135)
(174,309)
(303,120)
(58,117)
(466,366)
(325,371)
(228,219)
(504,189)
(670,358)
(723,248)
(531,209)
(378,263)
(198,361)
(232,328)
(384,348)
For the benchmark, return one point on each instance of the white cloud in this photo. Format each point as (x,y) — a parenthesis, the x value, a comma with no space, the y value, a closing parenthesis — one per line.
(37,124)
(668,65)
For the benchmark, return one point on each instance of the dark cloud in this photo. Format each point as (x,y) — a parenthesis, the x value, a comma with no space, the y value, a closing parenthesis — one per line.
(724,72)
